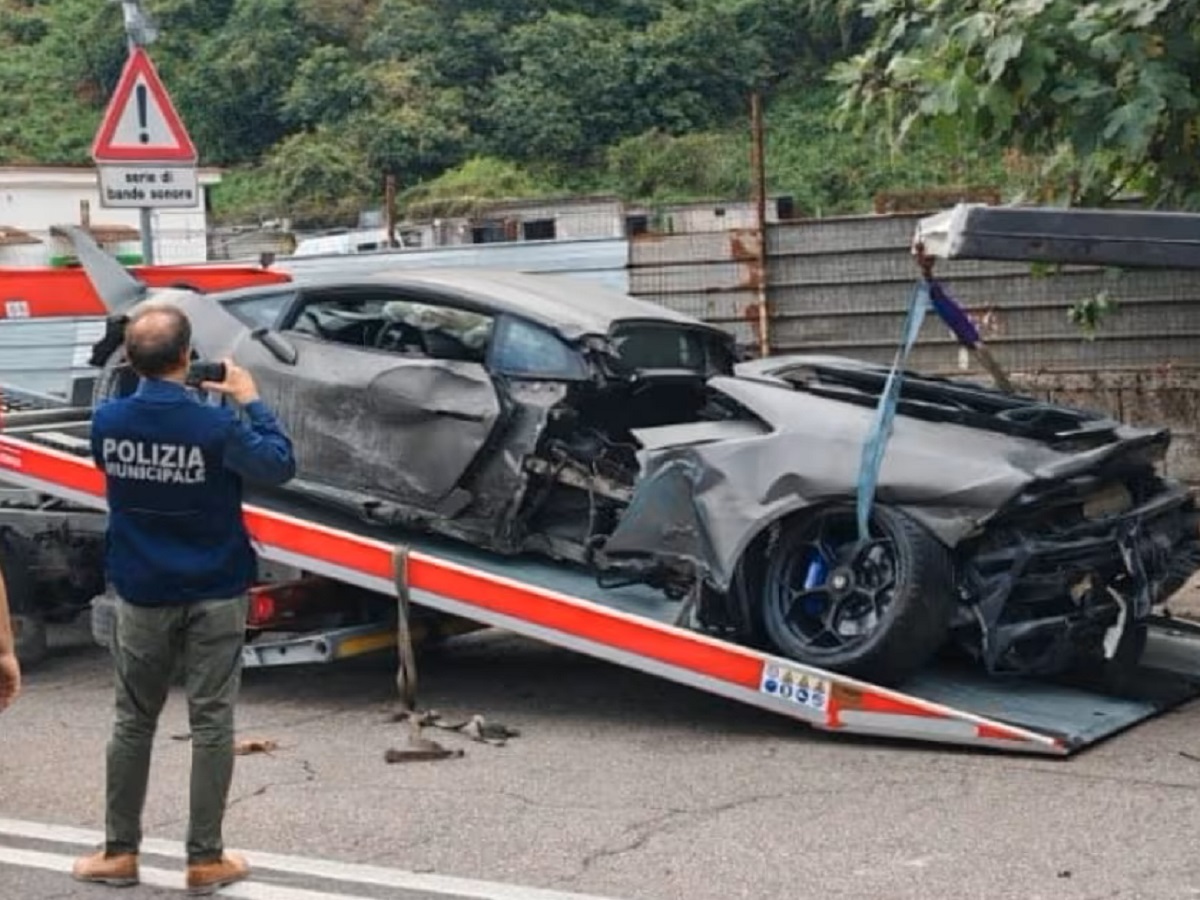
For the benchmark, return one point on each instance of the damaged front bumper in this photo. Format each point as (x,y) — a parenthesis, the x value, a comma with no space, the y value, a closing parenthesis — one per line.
(1036,600)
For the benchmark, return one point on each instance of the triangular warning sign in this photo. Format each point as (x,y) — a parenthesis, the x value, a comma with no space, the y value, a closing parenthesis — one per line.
(141,124)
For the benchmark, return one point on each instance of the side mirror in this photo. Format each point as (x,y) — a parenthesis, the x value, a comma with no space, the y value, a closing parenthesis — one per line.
(277,344)
(114,335)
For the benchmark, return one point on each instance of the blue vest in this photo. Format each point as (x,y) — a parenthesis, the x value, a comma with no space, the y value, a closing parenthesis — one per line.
(174,469)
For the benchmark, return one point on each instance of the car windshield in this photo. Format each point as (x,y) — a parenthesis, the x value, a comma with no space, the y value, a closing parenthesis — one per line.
(641,347)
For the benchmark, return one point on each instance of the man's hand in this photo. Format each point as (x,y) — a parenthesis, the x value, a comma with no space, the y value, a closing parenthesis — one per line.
(10,679)
(238,384)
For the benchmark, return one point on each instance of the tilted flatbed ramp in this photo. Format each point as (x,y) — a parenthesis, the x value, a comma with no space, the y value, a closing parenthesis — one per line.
(1070,236)
(632,627)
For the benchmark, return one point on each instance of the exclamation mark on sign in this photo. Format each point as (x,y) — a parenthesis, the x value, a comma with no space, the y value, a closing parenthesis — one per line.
(141,105)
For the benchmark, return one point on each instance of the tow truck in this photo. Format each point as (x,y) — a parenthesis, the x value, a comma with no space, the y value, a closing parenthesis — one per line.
(336,587)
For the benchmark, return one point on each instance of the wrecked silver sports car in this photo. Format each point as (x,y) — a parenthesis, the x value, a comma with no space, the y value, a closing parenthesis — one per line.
(528,413)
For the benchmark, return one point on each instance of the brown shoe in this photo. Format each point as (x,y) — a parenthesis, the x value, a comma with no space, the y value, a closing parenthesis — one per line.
(117,870)
(207,877)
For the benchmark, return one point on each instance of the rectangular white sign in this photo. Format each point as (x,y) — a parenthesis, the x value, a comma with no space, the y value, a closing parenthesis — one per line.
(151,187)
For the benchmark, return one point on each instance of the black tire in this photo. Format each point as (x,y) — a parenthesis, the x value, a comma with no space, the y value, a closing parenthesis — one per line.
(897,591)
(116,379)
(28,623)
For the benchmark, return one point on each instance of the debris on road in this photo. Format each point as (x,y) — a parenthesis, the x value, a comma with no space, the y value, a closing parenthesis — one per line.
(419,747)
(246,747)
(243,747)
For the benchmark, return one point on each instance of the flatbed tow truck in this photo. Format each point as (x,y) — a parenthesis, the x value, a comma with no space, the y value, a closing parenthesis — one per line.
(362,577)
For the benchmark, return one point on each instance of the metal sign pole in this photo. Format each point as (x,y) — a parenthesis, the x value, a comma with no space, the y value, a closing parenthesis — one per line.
(136,28)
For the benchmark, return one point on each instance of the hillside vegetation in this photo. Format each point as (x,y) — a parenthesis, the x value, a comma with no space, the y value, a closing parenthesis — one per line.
(308,104)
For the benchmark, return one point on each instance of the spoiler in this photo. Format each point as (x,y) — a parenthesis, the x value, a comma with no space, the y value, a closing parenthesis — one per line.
(116,286)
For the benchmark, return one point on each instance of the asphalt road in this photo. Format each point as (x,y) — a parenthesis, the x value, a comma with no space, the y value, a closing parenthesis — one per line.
(619,786)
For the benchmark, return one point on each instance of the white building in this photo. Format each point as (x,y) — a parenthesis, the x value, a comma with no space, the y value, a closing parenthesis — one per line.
(34,198)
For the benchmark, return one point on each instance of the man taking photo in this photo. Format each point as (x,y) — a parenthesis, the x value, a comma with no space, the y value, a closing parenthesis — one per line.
(181,564)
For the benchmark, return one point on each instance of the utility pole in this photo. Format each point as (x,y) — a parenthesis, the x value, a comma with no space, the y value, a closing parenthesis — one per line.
(759,166)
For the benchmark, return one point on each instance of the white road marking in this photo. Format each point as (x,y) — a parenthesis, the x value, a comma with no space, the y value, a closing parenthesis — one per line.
(329,870)
(161,878)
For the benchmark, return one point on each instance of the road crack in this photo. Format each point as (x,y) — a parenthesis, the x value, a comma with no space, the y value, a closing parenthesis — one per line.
(639,835)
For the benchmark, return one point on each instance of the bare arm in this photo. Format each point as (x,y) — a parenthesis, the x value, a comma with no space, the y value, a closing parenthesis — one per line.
(10,670)
(6,635)
(259,451)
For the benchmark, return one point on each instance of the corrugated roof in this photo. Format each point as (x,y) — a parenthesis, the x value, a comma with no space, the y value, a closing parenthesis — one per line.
(12,237)
(106,234)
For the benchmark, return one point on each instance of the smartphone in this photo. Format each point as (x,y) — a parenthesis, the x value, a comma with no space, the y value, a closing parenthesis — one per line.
(203,370)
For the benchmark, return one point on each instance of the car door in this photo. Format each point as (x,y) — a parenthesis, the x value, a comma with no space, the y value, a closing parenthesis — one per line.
(366,419)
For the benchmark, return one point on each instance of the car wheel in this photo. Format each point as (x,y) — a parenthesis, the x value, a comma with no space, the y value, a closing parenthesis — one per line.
(28,623)
(877,610)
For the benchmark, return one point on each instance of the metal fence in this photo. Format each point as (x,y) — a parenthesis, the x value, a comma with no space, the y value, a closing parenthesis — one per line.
(174,243)
(48,356)
(843,286)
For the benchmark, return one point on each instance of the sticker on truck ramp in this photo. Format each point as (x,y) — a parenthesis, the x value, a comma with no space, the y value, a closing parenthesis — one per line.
(794,686)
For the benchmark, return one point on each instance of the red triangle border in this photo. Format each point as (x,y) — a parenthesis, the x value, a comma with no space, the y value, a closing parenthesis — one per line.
(103,151)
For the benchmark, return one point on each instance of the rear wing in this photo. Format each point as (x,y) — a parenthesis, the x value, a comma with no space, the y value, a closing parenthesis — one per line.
(113,283)
(1101,237)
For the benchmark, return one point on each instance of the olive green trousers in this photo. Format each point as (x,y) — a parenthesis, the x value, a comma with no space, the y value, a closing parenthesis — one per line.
(202,641)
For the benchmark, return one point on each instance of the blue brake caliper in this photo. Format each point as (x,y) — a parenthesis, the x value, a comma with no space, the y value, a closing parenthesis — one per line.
(814,577)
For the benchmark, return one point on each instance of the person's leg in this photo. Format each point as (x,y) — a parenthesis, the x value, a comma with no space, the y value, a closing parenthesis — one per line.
(146,641)
(213,640)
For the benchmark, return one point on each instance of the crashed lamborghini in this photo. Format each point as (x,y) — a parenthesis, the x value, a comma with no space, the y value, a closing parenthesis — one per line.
(537,414)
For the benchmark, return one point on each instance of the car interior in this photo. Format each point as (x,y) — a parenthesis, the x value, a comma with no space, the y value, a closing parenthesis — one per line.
(405,327)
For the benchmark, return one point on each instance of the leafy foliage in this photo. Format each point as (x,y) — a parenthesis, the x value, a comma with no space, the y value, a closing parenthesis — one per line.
(1100,95)
(310,103)
(461,190)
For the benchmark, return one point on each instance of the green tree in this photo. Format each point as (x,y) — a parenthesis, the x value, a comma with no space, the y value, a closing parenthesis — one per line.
(328,87)
(461,190)
(317,177)
(233,90)
(659,167)
(58,64)
(566,91)
(1102,96)
(411,128)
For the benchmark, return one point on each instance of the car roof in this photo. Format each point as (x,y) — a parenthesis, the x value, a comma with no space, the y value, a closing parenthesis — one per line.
(567,304)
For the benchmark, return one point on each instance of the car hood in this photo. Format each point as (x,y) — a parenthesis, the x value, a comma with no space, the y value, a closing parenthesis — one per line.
(926,461)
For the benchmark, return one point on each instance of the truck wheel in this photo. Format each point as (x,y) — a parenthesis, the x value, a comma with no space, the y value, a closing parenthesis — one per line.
(29,626)
(877,610)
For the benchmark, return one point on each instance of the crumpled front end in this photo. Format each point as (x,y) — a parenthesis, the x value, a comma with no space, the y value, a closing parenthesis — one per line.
(1071,566)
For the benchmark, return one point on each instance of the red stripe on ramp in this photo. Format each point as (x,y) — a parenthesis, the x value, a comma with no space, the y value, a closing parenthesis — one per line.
(570,616)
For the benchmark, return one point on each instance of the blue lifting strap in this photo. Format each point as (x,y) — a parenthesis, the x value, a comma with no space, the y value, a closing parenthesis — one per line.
(885,411)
